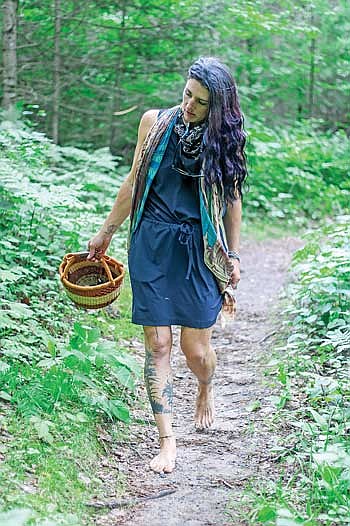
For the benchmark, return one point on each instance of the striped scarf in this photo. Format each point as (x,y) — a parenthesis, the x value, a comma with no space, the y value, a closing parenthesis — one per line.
(150,158)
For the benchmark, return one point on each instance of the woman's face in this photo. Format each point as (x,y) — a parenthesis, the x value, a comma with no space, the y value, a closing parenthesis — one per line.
(195,102)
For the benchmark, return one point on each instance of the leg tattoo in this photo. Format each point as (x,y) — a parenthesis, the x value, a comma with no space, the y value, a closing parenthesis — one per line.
(159,385)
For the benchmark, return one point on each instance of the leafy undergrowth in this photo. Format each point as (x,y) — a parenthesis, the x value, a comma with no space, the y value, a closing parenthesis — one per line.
(311,371)
(63,371)
(297,174)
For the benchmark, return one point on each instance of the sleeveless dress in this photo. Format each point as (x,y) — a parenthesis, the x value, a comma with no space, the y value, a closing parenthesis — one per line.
(170,282)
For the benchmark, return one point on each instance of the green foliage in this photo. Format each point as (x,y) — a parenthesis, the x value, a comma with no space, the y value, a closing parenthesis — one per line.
(290,59)
(37,231)
(62,370)
(50,468)
(297,174)
(311,371)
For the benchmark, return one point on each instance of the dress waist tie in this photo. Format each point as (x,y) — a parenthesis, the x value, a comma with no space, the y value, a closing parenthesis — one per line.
(186,238)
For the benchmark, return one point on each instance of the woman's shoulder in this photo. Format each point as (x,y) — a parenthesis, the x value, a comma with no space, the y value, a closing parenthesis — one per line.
(149,117)
(146,123)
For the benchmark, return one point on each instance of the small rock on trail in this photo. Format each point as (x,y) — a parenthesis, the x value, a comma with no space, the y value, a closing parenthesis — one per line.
(215,464)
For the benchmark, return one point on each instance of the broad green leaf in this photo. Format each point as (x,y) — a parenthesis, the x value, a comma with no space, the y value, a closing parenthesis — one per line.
(51,347)
(5,396)
(124,377)
(85,380)
(267,513)
(107,347)
(46,363)
(100,361)
(282,521)
(334,456)
(42,428)
(80,330)
(286,518)
(20,311)
(119,410)
(7,275)
(129,361)
(4,366)
(77,362)
(319,419)
(93,335)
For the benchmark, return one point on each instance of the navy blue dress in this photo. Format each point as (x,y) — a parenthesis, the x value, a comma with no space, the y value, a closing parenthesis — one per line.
(170,282)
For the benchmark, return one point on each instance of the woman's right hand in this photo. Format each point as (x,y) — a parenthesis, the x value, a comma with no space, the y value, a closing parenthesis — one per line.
(97,246)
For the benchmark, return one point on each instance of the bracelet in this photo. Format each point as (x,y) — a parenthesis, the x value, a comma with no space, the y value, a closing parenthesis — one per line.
(233,255)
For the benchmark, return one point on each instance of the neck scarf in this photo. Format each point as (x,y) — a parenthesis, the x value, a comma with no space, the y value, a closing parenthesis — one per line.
(191,137)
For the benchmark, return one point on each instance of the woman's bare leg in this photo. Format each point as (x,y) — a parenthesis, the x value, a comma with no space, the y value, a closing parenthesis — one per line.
(201,359)
(159,384)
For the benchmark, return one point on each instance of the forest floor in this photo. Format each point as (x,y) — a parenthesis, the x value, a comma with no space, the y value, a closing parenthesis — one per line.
(214,466)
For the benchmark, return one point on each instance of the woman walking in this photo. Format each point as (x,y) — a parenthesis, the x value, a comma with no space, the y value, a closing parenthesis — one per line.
(183,195)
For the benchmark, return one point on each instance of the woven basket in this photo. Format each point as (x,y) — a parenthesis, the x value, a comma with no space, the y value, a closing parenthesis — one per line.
(91,284)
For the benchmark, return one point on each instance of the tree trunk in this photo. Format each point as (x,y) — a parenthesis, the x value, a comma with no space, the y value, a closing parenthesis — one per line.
(116,94)
(10,53)
(312,70)
(56,74)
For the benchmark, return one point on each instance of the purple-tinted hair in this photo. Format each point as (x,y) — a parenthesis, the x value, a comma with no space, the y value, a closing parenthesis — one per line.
(224,139)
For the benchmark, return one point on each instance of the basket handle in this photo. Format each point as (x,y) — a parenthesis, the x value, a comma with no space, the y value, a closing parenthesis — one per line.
(107,269)
(102,260)
(67,257)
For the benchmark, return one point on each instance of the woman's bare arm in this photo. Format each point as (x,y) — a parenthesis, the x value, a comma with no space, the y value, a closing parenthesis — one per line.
(232,224)
(122,205)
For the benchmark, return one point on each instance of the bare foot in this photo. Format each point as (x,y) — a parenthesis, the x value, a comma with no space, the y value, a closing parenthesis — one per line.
(204,416)
(164,462)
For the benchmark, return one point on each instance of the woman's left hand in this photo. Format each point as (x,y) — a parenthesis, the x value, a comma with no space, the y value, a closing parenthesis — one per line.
(235,275)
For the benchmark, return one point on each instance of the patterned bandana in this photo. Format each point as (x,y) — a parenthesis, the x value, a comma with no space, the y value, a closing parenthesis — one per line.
(191,137)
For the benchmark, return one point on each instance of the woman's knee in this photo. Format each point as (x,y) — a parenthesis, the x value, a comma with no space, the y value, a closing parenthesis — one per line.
(195,351)
(197,354)
(158,340)
(195,344)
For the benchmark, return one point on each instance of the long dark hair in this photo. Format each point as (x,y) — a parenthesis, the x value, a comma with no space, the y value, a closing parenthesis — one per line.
(223,155)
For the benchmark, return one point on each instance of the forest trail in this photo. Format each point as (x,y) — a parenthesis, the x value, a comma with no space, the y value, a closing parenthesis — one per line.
(212,466)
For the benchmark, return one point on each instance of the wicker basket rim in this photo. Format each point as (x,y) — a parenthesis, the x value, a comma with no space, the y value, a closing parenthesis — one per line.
(92,288)
(69,260)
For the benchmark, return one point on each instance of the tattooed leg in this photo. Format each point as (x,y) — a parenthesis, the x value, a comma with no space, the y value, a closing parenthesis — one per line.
(159,385)
(201,359)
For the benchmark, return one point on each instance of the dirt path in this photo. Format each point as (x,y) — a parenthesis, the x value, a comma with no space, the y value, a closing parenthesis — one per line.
(212,466)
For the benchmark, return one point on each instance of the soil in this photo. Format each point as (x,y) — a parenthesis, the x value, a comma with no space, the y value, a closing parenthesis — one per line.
(213,466)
